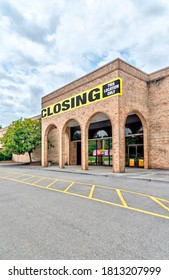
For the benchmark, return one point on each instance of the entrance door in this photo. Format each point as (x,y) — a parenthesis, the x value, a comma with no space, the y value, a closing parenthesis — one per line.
(135,155)
(78,158)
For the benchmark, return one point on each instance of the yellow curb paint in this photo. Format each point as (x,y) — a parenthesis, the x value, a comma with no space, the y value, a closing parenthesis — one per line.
(121,198)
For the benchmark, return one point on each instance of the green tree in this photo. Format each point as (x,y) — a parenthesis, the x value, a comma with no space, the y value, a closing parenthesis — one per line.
(22,136)
(0,126)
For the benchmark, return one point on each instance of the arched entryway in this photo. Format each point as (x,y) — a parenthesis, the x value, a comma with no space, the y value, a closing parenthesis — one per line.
(134,141)
(50,147)
(71,143)
(100,140)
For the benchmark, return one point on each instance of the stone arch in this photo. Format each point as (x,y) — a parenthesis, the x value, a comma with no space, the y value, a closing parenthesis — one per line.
(99,121)
(140,115)
(50,145)
(70,148)
(94,114)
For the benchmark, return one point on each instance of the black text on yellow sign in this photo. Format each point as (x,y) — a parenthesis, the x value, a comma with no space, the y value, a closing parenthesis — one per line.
(90,96)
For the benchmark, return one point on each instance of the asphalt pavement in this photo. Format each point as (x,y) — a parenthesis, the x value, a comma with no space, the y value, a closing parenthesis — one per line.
(48,214)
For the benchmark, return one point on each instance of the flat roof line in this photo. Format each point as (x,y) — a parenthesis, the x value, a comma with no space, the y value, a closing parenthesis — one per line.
(118,67)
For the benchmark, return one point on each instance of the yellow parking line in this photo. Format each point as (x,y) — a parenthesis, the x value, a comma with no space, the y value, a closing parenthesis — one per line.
(118,205)
(94,199)
(23,174)
(161,199)
(132,192)
(8,174)
(159,202)
(69,187)
(52,183)
(91,191)
(38,180)
(124,204)
(87,184)
(31,176)
(121,198)
(24,177)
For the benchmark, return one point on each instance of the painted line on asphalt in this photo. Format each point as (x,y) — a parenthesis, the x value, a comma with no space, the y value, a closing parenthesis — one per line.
(23,174)
(159,202)
(98,186)
(68,187)
(92,191)
(131,192)
(94,199)
(121,198)
(51,183)
(42,178)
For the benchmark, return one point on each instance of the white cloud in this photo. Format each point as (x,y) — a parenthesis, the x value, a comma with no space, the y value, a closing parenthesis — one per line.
(46,44)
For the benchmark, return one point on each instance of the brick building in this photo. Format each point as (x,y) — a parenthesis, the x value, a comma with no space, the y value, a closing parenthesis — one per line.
(115,116)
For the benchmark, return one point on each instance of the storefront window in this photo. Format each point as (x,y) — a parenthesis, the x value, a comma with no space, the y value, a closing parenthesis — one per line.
(134,142)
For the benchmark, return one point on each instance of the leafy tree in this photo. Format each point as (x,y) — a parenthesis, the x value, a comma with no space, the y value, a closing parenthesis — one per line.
(0,126)
(22,136)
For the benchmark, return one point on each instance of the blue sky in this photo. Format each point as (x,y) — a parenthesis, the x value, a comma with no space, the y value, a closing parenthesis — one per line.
(46,44)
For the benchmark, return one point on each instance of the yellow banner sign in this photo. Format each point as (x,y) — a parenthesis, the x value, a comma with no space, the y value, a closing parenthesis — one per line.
(101,92)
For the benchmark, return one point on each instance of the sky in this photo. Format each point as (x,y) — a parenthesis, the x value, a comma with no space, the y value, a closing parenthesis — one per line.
(46,44)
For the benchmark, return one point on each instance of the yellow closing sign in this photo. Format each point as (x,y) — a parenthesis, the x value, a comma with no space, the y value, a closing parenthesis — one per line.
(98,93)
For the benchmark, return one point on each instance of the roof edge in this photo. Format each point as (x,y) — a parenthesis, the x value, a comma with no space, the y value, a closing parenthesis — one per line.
(117,61)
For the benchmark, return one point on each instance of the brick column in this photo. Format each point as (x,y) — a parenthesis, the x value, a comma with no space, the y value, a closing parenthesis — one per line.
(118,147)
(146,153)
(61,148)
(44,152)
(84,148)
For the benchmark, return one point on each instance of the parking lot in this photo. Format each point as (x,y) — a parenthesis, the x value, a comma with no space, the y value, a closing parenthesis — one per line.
(60,215)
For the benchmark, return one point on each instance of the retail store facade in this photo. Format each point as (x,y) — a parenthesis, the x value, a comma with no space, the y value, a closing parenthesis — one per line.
(115,116)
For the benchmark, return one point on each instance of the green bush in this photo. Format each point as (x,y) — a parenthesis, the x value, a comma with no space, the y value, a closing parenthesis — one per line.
(5,157)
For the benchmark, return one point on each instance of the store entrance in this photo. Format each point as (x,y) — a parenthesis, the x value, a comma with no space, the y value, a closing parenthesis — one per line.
(134,136)
(135,155)
(100,152)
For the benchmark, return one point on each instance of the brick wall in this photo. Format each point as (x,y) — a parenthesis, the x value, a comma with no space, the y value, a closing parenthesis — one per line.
(159,123)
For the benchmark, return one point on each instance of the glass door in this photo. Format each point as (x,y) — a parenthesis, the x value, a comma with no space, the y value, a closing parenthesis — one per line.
(135,155)
(100,152)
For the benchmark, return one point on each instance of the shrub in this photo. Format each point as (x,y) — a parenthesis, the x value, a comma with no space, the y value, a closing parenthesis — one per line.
(4,156)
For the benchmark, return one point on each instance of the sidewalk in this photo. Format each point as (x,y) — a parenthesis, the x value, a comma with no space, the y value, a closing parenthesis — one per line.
(133,173)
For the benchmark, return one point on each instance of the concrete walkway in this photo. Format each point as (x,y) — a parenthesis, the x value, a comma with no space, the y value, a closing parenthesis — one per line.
(134,173)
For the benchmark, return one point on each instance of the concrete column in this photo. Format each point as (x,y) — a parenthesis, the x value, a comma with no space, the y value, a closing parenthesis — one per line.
(84,148)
